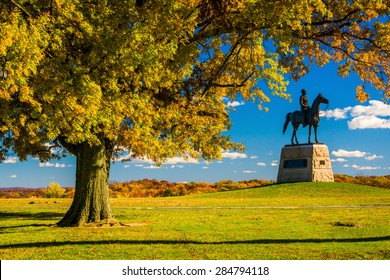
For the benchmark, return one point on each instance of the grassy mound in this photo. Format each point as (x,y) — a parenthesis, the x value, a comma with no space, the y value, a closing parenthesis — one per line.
(284,221)
(294,194)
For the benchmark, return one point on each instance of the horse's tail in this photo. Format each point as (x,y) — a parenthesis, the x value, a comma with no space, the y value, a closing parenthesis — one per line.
(288,116)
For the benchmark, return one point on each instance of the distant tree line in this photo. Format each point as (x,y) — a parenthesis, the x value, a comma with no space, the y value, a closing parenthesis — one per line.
(156,188)
(375,181)
(139,188)
(54,190)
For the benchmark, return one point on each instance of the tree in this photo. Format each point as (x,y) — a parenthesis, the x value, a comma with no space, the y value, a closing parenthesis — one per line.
(54,190)
(101,78)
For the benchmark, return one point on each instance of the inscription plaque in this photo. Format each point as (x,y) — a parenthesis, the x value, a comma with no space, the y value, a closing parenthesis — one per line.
(295,163)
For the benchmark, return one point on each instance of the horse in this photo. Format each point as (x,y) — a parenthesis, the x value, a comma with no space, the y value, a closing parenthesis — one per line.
(313,118)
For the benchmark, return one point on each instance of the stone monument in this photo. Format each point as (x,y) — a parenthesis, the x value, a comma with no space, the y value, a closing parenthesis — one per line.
(305,163)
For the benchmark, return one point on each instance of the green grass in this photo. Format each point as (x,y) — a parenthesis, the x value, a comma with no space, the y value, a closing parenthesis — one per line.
(287,221)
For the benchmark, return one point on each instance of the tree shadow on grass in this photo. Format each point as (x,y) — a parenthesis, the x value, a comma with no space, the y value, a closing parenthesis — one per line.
(31,216)
(25,226)
(181,242)
(41,216)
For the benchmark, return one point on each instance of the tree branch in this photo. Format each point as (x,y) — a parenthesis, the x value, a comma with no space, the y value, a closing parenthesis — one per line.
(72,148)
(44,151)
(21,8)
(335,21)
(224,63)
(235,85)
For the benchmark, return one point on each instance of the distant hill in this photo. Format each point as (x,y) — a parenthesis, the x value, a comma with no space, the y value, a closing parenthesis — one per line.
(16,189)
(375,181)
(156,188)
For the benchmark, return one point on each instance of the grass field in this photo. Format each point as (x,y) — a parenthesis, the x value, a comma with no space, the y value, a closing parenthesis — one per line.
(286,221)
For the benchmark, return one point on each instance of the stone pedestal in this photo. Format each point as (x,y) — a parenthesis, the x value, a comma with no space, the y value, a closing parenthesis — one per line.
(305,163)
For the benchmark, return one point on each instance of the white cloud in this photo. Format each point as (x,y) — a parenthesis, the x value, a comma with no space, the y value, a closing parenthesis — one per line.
(376,108)
(233,155)
(176,160)
(364,122)
(152,167)
(235,103)
(11,160)
(261,164)
(127,155)
(205,167)
(344,153)
(253,157)
(274,163)
(372,157)
(12,176)
(336,113)
(49,164)
(355,166)
(374,115)
(176,166)
(248,171)
(365,167)
(141,161)
(338,160)
(129,166)
(130,158)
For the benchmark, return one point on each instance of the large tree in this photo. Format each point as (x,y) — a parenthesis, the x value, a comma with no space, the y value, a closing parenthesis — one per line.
(150,78)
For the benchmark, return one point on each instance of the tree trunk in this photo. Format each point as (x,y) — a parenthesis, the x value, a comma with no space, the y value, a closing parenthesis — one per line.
(91,199)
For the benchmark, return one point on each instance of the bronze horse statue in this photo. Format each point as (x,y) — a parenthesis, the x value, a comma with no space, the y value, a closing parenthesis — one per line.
(313,118)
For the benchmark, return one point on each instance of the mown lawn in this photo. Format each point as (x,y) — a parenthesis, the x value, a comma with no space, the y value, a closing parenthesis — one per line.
(287,221)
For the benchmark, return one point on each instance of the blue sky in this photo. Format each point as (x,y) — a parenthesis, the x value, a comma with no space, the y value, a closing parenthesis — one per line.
(356,134)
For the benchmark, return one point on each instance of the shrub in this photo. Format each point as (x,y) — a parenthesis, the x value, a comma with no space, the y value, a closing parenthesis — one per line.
(54,190)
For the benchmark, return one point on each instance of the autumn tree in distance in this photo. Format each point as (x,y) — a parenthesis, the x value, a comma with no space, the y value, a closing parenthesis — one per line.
(151,78)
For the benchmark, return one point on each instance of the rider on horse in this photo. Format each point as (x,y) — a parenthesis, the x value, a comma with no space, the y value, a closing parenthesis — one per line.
(304,102)
(310,115)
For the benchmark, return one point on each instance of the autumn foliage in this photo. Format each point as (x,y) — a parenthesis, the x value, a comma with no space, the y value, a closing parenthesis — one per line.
(143,188)
(149,79)
(156,188)
(375,181)
(67,192)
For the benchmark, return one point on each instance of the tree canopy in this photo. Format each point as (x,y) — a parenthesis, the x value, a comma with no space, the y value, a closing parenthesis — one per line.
(151,77)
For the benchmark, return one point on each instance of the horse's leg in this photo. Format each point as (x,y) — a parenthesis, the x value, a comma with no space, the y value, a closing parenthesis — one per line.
(309,134)
(315,133)
(295,133)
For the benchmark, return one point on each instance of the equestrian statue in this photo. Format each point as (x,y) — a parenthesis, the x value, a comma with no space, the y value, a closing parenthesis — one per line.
(306,116)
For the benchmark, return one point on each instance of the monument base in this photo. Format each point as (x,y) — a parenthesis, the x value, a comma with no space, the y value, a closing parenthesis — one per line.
(305,163)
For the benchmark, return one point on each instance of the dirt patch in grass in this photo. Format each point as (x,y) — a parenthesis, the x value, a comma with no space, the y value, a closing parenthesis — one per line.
(112,223)
(346,224)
